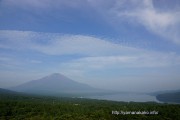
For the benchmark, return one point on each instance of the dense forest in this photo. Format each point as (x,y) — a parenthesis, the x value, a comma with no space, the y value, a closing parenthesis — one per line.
(15,106)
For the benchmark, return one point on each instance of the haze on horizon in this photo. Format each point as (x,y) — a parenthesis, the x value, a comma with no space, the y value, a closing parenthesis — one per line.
(121,45)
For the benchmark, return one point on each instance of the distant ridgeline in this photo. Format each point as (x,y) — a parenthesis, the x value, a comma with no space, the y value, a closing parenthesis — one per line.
(56,85)
(173,97)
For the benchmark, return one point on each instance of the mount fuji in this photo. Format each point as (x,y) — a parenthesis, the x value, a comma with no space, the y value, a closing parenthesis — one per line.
(55,84)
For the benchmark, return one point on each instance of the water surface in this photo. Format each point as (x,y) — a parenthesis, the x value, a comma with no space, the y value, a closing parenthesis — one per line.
(126,97)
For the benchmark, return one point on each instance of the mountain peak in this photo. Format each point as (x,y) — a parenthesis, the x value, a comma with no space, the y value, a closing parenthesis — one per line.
(57,76)
(55,83)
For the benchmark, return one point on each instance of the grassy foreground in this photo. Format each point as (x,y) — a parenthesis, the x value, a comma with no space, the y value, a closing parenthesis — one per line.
(26,107)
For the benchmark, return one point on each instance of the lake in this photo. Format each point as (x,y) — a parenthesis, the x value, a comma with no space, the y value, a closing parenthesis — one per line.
(126,97)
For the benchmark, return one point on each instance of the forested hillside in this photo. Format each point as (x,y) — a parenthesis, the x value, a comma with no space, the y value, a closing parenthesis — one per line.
(169,97)
(28,107)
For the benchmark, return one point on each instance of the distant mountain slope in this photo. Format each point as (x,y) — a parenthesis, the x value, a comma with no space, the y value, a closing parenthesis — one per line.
(5,91)
(169,97)
(54,84)
(162,92)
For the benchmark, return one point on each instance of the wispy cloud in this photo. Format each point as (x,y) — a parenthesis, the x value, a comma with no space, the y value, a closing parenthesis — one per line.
(43,5)
(7,62)
(98,52)
(60,44)
(163,23)
(156,20)
(160,22)
(147,60)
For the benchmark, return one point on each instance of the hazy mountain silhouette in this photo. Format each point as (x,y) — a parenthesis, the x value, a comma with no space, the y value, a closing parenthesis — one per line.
(54,84)
(6,91)
(173,97)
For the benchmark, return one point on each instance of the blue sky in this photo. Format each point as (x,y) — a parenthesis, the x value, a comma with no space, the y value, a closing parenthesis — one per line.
(127,45)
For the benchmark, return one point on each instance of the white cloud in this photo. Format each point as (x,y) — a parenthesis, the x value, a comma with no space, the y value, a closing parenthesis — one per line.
(83,45)
(43,5)
(165,23)
(99,52)
(160,22)
(15,39)
(58,44)
(144,59)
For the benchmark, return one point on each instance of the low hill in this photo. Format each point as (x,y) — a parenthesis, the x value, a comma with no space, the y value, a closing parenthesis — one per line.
(5,91)
(162,92)
(169,97)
